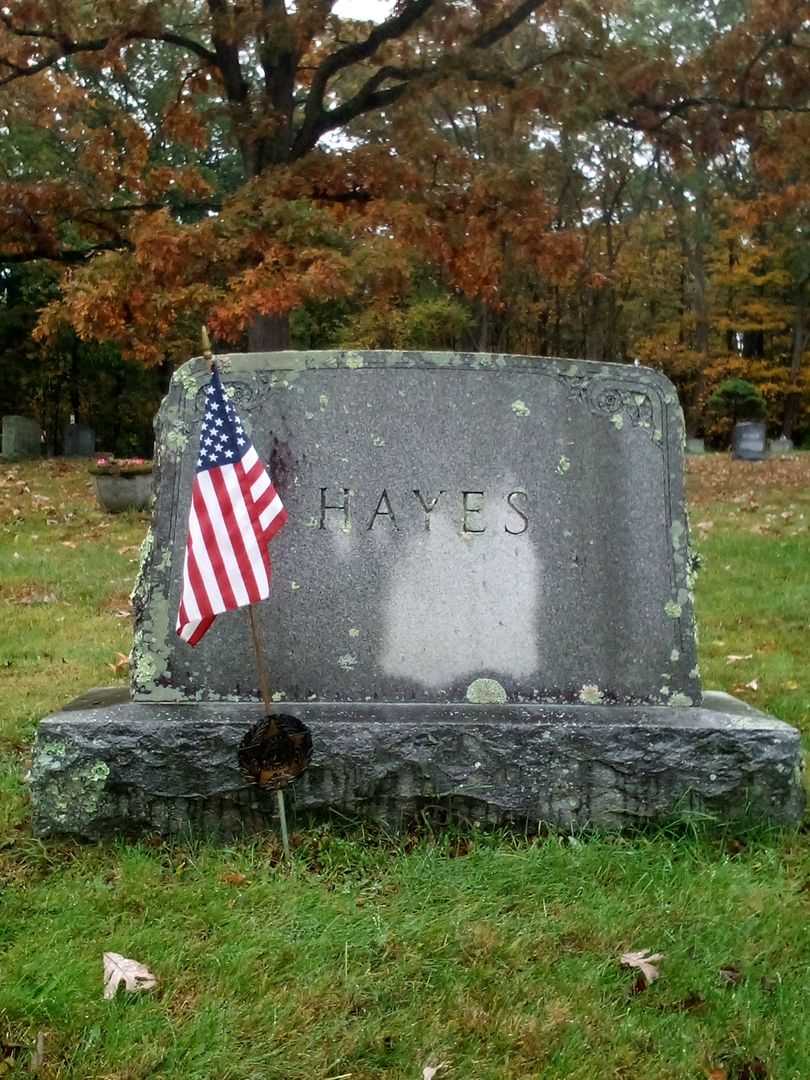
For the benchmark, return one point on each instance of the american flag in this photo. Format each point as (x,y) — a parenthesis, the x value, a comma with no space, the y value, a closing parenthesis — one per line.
(235,511)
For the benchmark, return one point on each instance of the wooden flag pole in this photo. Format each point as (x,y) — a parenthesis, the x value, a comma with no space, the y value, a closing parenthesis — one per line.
(264,688)
(261,665)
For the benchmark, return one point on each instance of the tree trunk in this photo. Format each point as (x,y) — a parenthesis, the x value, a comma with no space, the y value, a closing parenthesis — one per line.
(793,397)
(269,333)
(74,380)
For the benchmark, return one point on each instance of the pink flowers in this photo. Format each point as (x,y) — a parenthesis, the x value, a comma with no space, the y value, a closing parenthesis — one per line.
(122,461)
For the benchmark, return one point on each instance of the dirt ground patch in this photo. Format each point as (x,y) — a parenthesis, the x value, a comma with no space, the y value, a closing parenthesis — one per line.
(719,478)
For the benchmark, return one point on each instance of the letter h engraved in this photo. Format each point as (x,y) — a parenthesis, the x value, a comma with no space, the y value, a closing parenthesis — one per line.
(344,506)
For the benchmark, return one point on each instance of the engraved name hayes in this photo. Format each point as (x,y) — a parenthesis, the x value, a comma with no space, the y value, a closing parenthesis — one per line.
(343,508)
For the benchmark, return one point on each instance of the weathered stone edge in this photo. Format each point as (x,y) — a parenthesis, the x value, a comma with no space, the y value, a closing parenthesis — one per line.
(173,769)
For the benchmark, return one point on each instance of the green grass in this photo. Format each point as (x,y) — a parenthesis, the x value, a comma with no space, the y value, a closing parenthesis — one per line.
(373,956)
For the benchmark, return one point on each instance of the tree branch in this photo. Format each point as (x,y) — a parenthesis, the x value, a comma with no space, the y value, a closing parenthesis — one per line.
(317,120)
(67,47)
(346,56)
(67,256)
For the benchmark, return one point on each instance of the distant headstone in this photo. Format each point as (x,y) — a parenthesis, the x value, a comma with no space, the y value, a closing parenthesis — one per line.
(695,446)
(79,441)
(749,441)
(781,445)
(22,438)
(483,599)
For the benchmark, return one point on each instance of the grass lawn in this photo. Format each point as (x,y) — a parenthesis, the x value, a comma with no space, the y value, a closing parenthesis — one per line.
(370,956)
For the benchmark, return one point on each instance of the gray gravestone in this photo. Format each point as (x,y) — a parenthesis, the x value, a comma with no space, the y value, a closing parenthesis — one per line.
(749,441)
(483,595)
(22,438)
(781,446)
(79,441)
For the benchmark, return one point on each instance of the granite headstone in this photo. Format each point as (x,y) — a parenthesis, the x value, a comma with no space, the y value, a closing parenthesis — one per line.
(781,445)
(749,441)
(22,438)
(79,440)
(482,599)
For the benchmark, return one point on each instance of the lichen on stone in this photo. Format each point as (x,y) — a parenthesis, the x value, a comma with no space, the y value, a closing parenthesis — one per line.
(563,465)
(590,694)
(485,692)
(176,439)
(672,609)
(618,421)
(680,700)
(347,661)
(69,796)
(520,408)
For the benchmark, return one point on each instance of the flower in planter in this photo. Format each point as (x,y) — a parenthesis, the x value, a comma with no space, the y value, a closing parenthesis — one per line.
(111,466)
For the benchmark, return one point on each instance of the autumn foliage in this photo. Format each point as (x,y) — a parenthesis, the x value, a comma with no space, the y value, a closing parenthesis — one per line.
(620,180)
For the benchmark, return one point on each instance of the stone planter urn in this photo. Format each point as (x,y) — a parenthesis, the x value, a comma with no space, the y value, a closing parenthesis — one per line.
(124,484)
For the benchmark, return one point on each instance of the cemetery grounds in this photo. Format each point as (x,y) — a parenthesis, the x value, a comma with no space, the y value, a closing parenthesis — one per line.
(450,953)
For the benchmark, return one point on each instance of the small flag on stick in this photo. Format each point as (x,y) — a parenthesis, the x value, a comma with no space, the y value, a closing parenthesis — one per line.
(235,512)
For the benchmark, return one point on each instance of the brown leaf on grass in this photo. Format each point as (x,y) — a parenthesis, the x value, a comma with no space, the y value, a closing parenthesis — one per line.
(123,613)
(733,659)
(791,685)
(69,544)
(234,879)
(36,598)
(730,975)
(644,962)
(753,685)
(121,664)
(120,970)
(716,1074)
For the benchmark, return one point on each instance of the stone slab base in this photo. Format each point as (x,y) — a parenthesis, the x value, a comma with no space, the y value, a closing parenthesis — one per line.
(108,765)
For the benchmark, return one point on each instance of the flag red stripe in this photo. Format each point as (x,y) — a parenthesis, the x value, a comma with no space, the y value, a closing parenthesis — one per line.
(245,483)
(214,554)
(201,597)
(235,535)
(201,630)
(274,526)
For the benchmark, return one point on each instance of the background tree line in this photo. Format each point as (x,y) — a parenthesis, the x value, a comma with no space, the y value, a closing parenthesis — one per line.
(620,180)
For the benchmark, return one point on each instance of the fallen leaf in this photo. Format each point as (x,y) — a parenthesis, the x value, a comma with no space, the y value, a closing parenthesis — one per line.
(643,962)
(716,1074)
(732,659)
(120,969)
(430,1071)
(791,685)
(753,685)
(69,544)
(121,664)
(123,613)
(730,975)
(234,879)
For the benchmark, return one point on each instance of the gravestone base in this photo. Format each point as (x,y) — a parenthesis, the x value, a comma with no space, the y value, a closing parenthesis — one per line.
(107,765)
